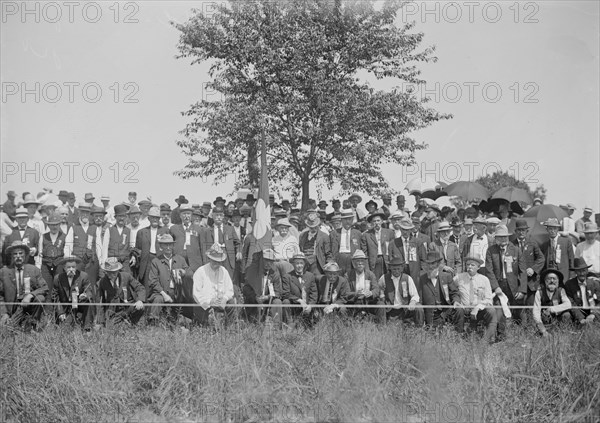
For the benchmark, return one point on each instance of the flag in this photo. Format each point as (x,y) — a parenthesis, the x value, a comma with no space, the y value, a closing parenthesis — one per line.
(261,238)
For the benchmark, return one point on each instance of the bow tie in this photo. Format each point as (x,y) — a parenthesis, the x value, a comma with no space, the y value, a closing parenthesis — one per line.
(19,268)
(479,237)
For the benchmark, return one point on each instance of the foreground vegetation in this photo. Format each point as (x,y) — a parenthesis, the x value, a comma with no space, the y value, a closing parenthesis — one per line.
(338,371)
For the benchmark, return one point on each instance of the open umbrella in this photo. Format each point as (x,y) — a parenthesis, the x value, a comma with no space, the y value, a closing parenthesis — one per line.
(537,215)
(513,194)
(426,187)
(467,190)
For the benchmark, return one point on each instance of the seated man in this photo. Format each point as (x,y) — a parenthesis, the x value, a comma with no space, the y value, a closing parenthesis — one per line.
(583,291)
(165,280)
(73,286)
(333,289)
(438,288)
(475,299)
(363,287)
(553,299)
(299,287)
(398,290)
(264,288)
(21,282)
(120,293)
(213,289)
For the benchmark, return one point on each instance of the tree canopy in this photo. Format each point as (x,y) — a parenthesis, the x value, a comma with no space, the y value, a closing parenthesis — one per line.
(499,180)
(294,72)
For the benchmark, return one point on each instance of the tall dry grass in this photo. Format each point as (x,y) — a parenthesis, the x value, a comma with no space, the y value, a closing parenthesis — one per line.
(338,371)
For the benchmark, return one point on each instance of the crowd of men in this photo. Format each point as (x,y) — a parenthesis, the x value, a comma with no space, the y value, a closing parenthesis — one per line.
(89,264)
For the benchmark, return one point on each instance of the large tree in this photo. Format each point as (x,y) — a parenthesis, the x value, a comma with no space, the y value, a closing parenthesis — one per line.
(296,73)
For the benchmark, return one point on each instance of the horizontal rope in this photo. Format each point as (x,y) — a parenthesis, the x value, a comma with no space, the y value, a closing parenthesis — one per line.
(295,305)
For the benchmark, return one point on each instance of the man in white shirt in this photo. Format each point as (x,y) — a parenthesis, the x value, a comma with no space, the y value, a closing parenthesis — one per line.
(285,244)
(398,290)
(590,248)
(213,288)
(110,215)
(134,224)
(475,299)
(568,224)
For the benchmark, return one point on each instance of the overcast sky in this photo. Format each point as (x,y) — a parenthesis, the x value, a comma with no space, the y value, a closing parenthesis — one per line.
(521,81)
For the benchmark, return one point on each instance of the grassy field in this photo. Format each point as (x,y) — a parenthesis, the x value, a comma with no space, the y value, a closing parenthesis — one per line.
(338,372)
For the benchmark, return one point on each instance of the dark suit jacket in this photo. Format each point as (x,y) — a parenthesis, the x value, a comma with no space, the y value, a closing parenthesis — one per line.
(292,288)
(421,238)
(33,240)
(451,258)
(340,286)
(194,254)
(370,278)
(230,239)
(415,266)
(534,259)
(61,292)
(254,281)
(428,293)
(159,277)
(73,217)
(566,256)
(108,294)
(53,252)
(334,239)
(574,293)
(142,248)
(8,286)
(369,245)
(322,246)
(515,273)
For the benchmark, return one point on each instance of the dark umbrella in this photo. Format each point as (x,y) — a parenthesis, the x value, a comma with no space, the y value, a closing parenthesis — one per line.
(537,215)
(493,206)
(513,194)
(468,191)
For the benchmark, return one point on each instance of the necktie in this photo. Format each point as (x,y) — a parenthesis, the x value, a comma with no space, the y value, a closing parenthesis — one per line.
(502,259)
(187,228)
(445,250)
(347,239)
(405,242)
(19,280)
(471,291)
(584,299)
(220,235)
(521,245)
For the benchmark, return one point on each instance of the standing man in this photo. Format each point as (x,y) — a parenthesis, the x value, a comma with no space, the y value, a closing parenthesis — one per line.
(336,204)
(187,239)
(410,250)
(21,282)
(505,268)
(119,239)
(400,203)
(80,243)
(558,251)
(315,245)
(345,241)
(580,224)
(165,280)
(165,216)
(447,249)
(590,248)
(478,243)
(9,207)
(109,217)
(25,234)
(175,218)
(358,214)
(53,245)
(533,257)
(375,243)
(225,237)
(134,226)
(146,245)
(73,211)
(568,224)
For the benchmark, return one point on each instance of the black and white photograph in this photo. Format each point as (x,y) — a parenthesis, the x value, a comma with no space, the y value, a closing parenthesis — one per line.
(300,211)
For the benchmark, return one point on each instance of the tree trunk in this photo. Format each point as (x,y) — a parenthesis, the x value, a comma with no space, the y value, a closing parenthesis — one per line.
(252,164)
(305,193)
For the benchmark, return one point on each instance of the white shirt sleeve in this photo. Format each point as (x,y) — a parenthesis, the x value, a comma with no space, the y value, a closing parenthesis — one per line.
(412,291)
(202,290)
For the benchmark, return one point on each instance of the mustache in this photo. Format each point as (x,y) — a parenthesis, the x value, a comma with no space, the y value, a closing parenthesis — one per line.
(71,272)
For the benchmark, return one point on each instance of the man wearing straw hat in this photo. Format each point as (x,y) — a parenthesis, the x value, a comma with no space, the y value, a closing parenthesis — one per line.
(21,283)
(165,279)
(299,287)
(73,286)
(333,290)
(583,291)
(446,248)
(590,248)
(213,288)
(26,234)
(409,249)
(264,288)
(580,223)
(399,292)
(558,251)
(476,299)
(363,287)
(53,246)
(120,293)
(345,241)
